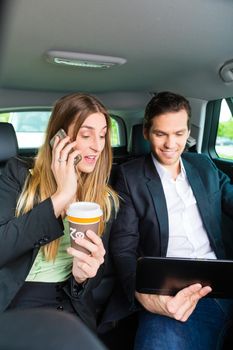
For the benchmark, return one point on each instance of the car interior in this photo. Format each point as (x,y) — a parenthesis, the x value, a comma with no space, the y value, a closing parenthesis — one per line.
(122,52)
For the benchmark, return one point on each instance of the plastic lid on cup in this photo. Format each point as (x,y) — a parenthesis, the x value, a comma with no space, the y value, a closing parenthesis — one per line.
(84,210)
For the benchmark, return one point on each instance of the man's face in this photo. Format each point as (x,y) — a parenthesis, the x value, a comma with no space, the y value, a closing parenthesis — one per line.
(167,136)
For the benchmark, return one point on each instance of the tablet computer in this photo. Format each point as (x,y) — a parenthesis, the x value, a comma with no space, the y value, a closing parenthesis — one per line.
(169,275)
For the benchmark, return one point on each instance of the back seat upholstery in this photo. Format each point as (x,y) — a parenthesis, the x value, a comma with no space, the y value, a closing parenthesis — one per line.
(8,143)
(138,146)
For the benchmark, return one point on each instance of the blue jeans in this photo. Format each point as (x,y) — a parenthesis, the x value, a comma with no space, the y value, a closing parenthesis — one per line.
(204,330)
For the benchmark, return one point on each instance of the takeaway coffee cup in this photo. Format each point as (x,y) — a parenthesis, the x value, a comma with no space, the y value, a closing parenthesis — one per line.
(83,216)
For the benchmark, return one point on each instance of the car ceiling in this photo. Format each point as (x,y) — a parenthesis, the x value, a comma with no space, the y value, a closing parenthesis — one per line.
(176,45)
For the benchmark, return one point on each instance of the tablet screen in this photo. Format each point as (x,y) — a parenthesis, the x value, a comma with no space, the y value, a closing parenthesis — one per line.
(169,275)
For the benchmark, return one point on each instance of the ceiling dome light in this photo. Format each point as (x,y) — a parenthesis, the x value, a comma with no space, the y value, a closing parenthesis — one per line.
(83,60)
(226,72)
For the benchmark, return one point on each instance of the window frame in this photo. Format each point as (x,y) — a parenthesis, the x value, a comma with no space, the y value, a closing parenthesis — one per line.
(210,134)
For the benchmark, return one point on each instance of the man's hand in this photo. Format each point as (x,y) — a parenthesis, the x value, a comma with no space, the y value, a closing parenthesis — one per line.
(179,307)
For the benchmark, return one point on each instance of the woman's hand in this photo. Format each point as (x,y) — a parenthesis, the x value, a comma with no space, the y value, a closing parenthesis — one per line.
(86,265)
(63,158)
(179,307)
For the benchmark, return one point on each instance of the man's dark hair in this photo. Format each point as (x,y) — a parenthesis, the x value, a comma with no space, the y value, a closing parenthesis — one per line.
(165,102)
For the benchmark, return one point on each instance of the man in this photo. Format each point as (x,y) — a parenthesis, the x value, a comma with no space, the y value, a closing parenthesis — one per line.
(171,206)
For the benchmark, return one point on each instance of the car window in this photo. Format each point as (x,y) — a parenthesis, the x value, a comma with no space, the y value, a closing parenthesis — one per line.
(30,127)
(224,140)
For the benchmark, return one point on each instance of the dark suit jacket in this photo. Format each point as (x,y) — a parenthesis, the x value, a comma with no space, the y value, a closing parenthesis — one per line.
(141,228)
(21,239)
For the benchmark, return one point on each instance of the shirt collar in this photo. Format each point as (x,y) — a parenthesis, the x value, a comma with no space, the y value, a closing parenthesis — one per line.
(164,173)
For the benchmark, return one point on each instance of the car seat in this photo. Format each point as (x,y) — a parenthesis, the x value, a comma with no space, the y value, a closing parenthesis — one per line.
(48,329)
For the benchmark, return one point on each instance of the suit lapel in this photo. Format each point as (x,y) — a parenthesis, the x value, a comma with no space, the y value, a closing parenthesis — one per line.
(155,188)
(199,192)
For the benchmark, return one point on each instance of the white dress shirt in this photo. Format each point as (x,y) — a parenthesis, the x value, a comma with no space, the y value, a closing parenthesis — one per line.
(187,235)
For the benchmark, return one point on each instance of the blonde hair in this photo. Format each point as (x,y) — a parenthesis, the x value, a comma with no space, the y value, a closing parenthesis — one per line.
(40,183)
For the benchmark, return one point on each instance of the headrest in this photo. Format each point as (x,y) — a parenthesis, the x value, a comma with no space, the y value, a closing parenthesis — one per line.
(8,142)
(139,146)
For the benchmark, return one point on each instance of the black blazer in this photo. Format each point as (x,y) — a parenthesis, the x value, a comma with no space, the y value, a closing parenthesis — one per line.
(21,239)
(141,227)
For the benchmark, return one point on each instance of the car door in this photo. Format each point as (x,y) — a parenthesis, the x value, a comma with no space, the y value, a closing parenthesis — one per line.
(218,144)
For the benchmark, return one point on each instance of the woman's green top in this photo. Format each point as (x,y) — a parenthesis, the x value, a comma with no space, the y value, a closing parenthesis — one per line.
(57,270)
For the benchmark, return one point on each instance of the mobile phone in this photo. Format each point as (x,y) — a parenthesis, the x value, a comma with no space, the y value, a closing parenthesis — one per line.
(62,134)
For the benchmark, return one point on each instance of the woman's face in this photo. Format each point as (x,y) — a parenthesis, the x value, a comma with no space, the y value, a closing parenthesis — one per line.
(90,141)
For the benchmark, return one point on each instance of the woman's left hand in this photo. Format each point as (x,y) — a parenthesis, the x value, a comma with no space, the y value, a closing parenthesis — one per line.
(86,265)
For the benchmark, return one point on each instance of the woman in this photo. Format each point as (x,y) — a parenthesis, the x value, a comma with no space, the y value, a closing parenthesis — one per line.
(38,268)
